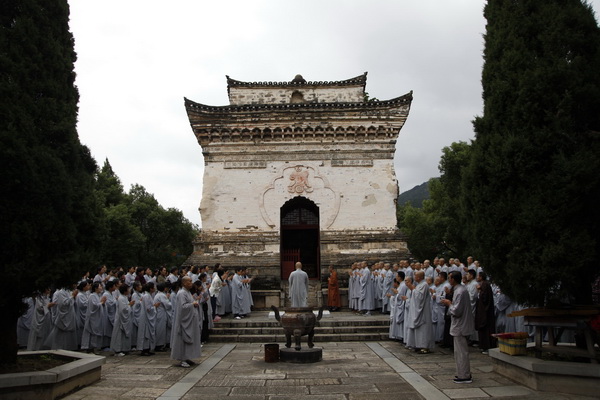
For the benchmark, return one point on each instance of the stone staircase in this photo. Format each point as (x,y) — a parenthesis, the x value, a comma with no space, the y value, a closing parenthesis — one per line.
(340,327)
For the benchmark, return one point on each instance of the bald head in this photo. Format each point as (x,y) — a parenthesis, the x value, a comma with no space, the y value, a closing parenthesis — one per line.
(186,282)
(419,275)
(298,265)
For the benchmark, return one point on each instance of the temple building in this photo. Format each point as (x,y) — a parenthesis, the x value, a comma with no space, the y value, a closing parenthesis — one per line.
(298,171)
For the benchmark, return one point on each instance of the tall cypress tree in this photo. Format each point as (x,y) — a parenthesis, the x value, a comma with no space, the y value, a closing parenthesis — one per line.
(48,209)
(109,187)
(531,189)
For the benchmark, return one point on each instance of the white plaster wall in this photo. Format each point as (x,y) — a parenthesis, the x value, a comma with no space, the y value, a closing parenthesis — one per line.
(349,197)
(280,95)
(368,196)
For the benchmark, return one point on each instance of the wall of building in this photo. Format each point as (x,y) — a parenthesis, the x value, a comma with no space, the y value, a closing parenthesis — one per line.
(350,194)
(283,95)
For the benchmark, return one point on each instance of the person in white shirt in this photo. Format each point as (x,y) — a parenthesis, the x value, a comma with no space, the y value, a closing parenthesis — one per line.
(173,276)
(130,276)
(149,276)
(101,275)
(215,292)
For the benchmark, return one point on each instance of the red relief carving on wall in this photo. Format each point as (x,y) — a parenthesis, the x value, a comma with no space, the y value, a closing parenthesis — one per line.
(320,182)
(299,181)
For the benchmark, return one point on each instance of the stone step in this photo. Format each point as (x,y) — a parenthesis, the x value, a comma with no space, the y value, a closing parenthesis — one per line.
(280,338)
(275,330)
(339,326)
(249,323)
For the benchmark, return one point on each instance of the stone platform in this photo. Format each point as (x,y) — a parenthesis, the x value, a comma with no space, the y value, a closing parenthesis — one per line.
(83,370)
(550,376)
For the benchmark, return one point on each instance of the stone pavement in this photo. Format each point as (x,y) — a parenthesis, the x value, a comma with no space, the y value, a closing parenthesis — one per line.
(349,370)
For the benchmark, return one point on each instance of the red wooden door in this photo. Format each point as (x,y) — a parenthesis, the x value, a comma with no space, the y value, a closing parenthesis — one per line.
(289,258)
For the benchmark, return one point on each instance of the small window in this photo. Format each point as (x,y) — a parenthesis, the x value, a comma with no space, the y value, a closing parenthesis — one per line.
(297,97)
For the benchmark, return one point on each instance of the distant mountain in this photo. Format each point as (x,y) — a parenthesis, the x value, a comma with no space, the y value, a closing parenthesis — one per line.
(415,196)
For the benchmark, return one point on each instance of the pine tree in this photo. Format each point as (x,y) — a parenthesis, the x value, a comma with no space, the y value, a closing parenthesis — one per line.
(531,189)
(109,187)
(48,209)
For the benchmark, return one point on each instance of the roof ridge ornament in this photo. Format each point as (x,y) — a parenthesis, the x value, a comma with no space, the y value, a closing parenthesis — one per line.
(298,79)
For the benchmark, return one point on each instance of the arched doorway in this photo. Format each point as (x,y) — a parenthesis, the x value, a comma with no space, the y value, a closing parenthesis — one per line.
(300,237)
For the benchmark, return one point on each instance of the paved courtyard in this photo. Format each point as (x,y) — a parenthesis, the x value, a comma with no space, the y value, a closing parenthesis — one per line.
(349,370)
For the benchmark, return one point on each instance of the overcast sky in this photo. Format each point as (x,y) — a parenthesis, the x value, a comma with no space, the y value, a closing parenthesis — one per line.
(138,59)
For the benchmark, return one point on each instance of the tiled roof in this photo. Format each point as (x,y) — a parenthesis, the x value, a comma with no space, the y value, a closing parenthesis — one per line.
(405,99)
(358,80)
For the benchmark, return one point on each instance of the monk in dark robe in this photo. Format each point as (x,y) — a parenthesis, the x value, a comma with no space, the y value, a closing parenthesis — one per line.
(333,291)
(485,321)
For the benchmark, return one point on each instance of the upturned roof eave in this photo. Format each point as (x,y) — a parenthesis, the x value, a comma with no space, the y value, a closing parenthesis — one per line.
(360,80)
(192,106)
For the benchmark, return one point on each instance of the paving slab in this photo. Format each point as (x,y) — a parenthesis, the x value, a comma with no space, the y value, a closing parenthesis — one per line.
(109,392)
(337,396)
(271,390)
(220,397)
(209,391)
(304,382)
(356,388)
(385,396)
(398,386)
(507,391)
(103,384)
(467,393)
(152,393)
(485,368)
(317,375)
(374,372)
(133,377)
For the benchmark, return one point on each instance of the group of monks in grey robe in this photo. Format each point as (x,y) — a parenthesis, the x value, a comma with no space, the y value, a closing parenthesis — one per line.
(412,293)
(120,312)
(241,295)
(101,315)
(368,287)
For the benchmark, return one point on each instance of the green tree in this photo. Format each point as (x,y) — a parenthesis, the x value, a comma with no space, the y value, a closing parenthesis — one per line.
(137,229)
(421,225)
(531,189)
(123,241)
(180,233)
(47,205)
(109,187)
(168,234)
(437,228)
(446,194)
